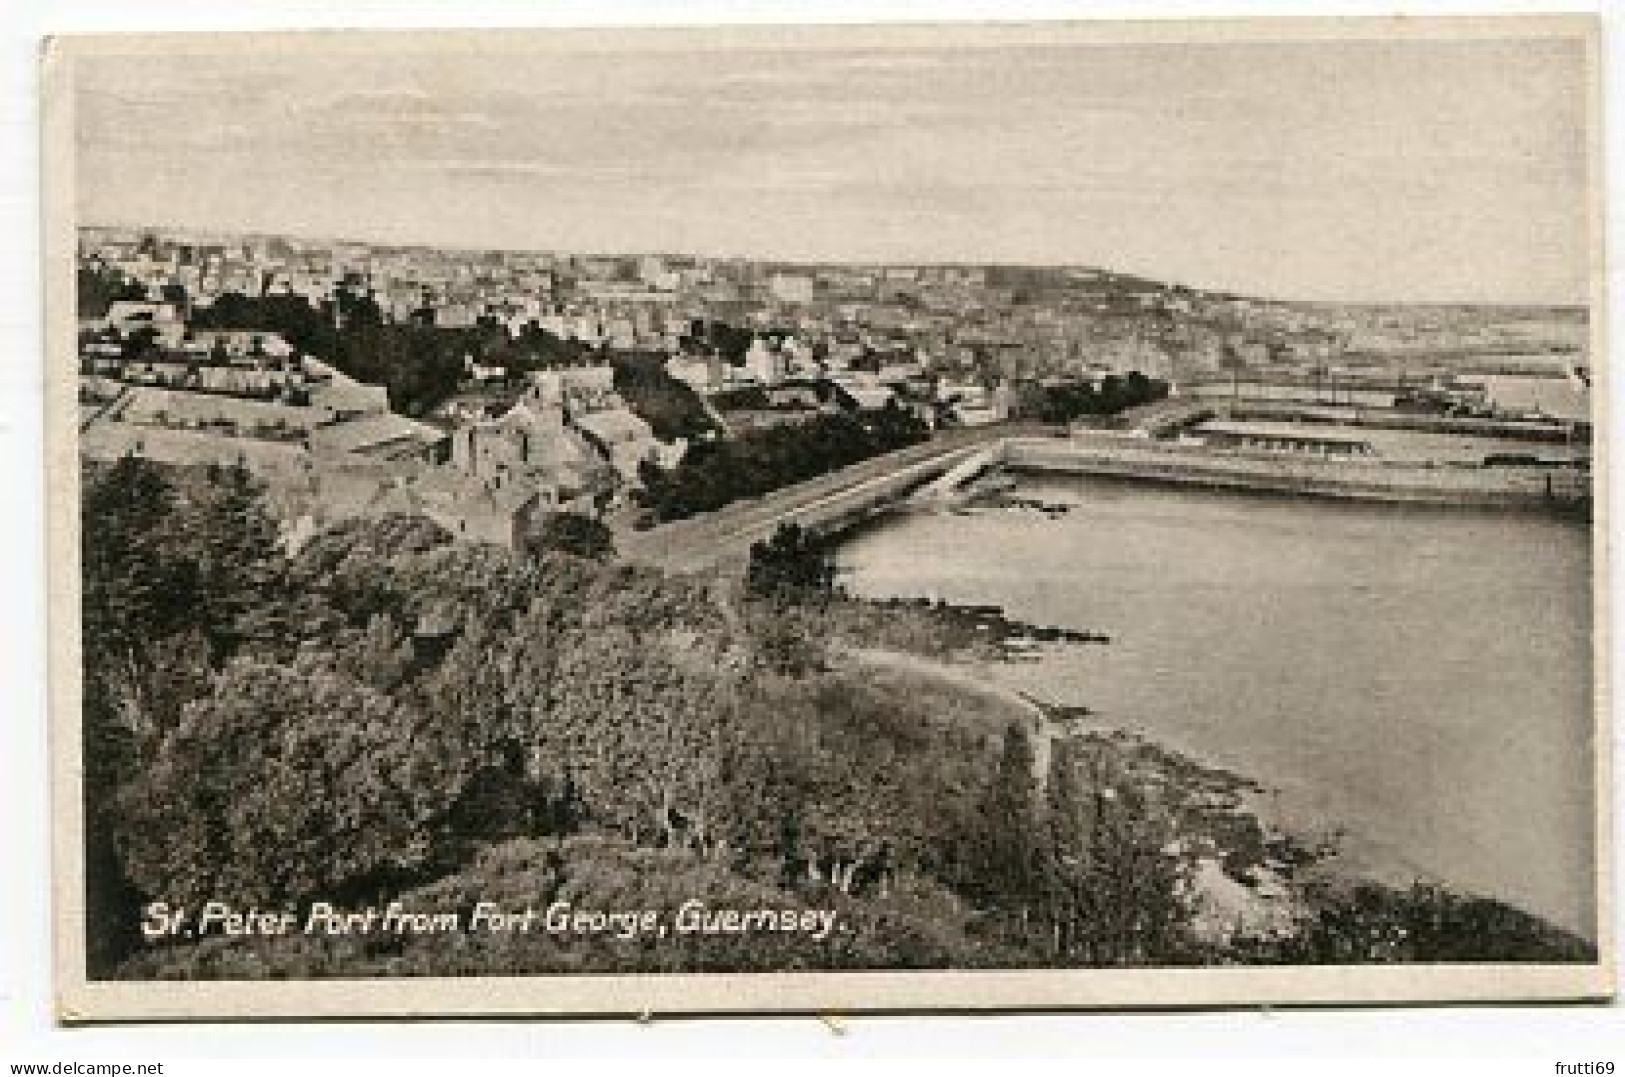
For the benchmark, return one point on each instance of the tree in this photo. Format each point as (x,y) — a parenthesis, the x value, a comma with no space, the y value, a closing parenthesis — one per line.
(1066,859)
(794,565)
(233,544)
(1129,905)
(139,344)
(174,294)
(714,473)
(175,579)
(123,591)
(99,287)
(671,408)
(140,598)
(168,572)
(572,533)
(1007,857)
(1375,924)
(288,784)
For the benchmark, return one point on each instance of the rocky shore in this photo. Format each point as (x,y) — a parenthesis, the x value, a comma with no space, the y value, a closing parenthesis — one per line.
(939,629)
(1263,884)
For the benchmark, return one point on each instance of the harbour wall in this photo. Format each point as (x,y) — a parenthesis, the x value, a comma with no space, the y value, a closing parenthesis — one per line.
(1444,484)
(1553,432)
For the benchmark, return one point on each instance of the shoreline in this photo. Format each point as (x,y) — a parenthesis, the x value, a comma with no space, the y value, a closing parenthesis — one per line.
(1259,862)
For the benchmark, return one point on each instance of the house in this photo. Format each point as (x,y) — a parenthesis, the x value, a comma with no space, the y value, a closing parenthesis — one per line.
(586,388)
(481,374)
(532,445)
(794,396)
(162,320)
(470,509)
(252,381)
(627,442)
(765,363)
(238,343)
(129,315)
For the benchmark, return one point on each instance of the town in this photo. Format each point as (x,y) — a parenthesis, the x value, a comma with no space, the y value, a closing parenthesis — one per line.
(486,390)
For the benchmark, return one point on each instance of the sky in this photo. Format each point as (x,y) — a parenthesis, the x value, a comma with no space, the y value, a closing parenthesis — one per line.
(1332,169)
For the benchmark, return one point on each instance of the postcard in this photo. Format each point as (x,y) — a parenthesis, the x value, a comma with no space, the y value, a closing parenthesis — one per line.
(827,519)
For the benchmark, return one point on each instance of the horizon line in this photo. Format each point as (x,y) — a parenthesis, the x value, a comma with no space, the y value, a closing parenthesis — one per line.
(1216,291)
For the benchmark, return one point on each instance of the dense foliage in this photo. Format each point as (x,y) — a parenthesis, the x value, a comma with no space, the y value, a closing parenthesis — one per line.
(1111,395)
(98,288)
(571,533)
(707,336)
(387,715)
(759,461)
(421,364)
(1374,924)
(794,564)
(383,709)
(671,408)
(172,574)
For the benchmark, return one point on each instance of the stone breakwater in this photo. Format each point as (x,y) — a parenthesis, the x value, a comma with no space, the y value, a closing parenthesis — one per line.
(1368,481)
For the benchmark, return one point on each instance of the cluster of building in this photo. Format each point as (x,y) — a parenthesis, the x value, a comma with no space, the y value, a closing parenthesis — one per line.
(993,322)
(990,321)
(963,344)
(783,378)
(329,447)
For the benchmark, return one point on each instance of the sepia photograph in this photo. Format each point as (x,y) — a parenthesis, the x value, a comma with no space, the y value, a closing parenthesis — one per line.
(827,518)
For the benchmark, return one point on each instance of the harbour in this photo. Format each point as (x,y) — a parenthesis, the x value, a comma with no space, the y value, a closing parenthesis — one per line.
(1419,674)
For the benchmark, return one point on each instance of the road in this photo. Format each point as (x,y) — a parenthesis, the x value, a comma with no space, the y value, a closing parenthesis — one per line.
(725,535)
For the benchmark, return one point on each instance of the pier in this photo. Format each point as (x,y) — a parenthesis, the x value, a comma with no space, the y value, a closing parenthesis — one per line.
(1360,479)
